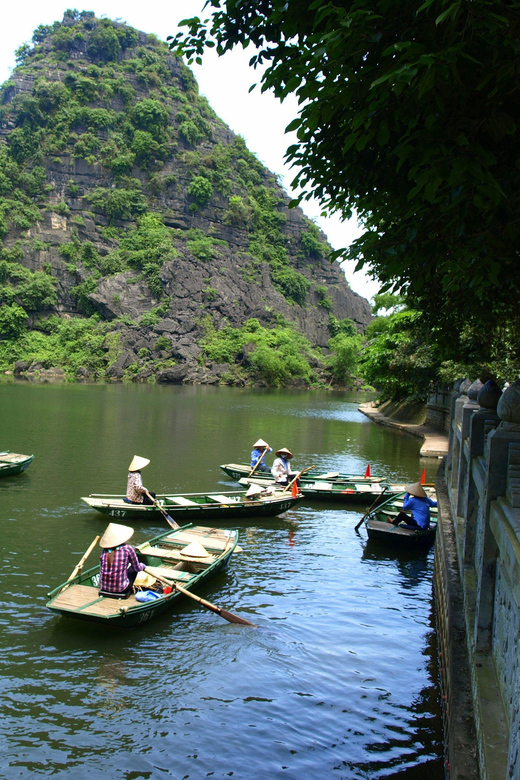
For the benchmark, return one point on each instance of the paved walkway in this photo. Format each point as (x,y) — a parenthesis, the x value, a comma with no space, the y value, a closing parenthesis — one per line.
(435,444)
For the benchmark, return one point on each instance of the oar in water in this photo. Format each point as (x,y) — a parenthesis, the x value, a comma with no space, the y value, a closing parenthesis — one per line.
(370,509)
(163,512)
(213,607)
(298,475)
(79,566)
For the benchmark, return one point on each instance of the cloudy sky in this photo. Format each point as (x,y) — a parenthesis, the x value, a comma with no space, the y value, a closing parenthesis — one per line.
(260,119)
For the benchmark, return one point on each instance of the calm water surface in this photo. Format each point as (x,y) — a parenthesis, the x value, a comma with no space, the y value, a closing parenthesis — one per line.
(339,678)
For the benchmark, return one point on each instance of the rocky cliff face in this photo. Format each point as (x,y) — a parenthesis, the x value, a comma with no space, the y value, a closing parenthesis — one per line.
(124,193)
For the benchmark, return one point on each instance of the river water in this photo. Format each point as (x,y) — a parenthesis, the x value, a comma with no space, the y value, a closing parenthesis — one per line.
(338,679)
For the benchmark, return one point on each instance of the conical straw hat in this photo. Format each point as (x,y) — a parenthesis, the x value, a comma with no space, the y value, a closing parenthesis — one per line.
(138,463)
(195,550)
(416,490)
(260,443)
(144,580)
(284,451)
(115,535)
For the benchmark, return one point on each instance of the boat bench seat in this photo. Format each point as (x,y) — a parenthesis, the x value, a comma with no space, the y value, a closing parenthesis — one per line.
(364,488)
(174,555)
(222,499)
(181,501)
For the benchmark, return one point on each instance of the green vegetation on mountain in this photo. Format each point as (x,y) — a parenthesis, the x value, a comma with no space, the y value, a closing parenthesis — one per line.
(134,223)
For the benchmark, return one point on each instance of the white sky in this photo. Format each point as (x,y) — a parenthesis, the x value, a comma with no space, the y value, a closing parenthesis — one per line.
(260,119)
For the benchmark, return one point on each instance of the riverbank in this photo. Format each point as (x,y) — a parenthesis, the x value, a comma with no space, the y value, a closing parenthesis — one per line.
(435,444)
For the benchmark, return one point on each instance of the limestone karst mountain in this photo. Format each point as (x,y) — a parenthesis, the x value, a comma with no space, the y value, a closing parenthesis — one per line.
(140,237)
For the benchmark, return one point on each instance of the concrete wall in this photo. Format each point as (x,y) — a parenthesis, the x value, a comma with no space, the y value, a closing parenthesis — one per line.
(477,583)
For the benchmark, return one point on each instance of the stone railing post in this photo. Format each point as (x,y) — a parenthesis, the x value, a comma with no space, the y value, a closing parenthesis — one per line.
(501,458)
(468,410)
(455,437)
(484,420)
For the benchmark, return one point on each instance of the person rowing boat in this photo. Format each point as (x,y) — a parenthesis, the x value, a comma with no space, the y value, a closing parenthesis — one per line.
(260,450)
(281,469)
(418,503)
(136,493)
(119,564)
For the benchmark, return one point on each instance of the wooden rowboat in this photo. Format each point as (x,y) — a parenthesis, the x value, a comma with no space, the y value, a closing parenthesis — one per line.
(380,527)
(345,492)
(13,463)
(209,507)
(239,470)
(79,597)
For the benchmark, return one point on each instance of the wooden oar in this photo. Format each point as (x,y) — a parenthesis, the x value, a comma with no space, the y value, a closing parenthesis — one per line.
(298,475)
(370,509)
(213,607)
(78,568)
(163,512)
(258,462)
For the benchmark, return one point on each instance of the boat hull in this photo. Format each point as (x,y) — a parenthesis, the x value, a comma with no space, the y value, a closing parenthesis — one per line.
(236,471)
(79,598)
(383,531)
(343,492)
(236,508)
(14,463)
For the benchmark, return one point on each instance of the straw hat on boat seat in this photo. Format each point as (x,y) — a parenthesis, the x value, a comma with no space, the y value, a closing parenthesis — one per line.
(115,535)
(416,490)
(144,580)
(138,463)
(284,451)
(260,443)
(195,550)
(253,490)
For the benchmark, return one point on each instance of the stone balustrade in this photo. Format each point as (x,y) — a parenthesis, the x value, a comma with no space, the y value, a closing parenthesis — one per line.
(477,582)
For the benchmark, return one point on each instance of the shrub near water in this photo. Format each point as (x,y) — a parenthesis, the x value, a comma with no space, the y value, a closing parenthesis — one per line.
(278,354)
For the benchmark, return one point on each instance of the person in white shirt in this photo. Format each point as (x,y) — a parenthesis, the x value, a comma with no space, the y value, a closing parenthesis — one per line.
(281,469)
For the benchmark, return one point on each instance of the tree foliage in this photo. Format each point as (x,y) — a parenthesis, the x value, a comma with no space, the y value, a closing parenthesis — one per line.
(408,115)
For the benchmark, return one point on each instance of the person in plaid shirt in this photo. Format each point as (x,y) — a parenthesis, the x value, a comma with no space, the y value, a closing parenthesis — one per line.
(119,563)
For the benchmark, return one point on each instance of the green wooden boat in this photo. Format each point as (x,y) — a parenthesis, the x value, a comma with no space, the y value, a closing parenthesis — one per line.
(79,597)
(239,470)
(380,528)
(12,463)
(345,492)
(210,507)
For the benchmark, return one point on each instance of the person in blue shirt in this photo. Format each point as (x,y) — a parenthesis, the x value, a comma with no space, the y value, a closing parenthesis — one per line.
(260,450)
(417,502)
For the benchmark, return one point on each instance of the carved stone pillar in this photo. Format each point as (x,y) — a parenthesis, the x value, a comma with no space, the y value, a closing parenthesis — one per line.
(468,410)
(502,458)
(482,422)
(456,438)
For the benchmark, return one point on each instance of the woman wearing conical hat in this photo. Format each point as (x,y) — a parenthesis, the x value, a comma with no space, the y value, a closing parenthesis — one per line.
(260,450)
(119,564)
(136,493)
(418,503)
(281,470)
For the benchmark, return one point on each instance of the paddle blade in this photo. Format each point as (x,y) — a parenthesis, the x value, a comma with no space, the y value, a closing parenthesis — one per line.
(294,490)
(234,618)
(367,472)
(423,477)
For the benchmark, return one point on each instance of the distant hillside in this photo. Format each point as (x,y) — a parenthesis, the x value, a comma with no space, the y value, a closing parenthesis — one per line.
(140,237)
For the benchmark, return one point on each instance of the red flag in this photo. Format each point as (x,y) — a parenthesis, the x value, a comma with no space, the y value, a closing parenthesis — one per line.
(367,472)
(423,477)
(294,490)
